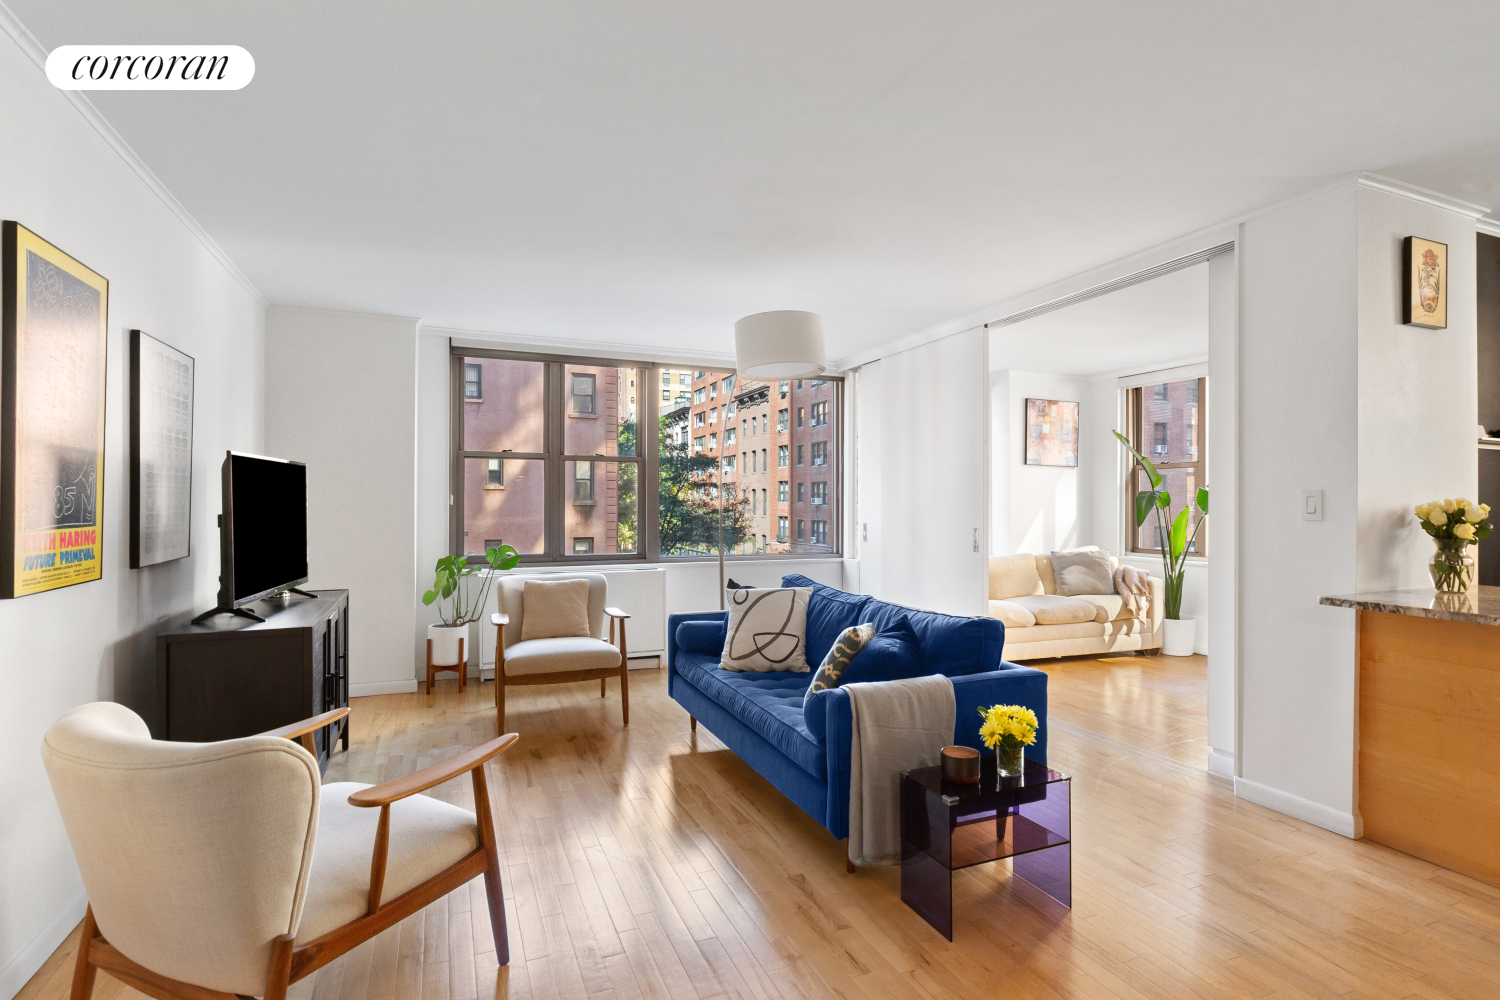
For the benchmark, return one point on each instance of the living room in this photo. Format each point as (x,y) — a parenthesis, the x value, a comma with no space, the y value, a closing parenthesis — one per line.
(415,290)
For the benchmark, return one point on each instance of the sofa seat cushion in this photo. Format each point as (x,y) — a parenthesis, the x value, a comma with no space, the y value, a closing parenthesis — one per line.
(1041,633)
(426,837)
(1011,614)
(555,656)
(769,703)
(1108,607)
(1049,609)
(1077,630)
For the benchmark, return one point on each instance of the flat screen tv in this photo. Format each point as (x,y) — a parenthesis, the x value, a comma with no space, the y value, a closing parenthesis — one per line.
(262,532)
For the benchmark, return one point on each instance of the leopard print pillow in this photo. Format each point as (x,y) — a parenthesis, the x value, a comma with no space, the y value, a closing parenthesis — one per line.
(845,648)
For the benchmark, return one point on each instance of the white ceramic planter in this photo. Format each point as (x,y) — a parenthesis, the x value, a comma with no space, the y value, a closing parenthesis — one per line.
(444,641)
(1178,635)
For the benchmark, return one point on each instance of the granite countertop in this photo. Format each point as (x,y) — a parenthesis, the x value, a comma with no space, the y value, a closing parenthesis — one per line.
(1481,606)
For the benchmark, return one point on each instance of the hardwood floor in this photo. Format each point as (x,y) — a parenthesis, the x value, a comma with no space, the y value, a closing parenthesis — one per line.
(1153,704)
(644,864)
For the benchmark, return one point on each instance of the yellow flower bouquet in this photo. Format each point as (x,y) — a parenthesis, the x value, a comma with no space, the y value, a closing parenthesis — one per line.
(1008,730)
(1454,525)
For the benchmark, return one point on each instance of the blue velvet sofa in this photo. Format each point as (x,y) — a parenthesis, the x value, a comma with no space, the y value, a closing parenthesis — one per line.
(761,717)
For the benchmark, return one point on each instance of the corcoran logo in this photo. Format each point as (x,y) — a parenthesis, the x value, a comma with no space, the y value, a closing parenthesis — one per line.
(150,67)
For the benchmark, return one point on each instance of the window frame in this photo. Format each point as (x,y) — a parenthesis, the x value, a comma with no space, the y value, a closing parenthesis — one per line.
(1137,432)
(557,408)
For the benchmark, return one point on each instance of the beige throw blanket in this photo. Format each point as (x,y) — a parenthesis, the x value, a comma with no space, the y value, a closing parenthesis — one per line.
(1131,584)
(898,725)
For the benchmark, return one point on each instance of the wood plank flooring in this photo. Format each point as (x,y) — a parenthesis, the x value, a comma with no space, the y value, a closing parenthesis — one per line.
(646,864)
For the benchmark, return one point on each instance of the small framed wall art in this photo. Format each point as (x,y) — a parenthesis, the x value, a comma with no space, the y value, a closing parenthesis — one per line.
(54,324)
(161,451)
(1424,286)
(1051,432)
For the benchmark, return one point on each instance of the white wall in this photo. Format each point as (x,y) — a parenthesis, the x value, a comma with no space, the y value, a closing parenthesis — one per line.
(341,395)
(1418,390)
(931,538)
(96,641)
(1222,584)
(1377,415)
(1049,505)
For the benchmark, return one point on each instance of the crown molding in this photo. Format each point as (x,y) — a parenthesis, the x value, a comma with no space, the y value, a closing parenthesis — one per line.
(645,353)
(28,44)
(1436,199)
(1490,226)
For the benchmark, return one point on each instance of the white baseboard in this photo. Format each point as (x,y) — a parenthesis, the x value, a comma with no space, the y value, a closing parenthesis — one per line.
(34,955)
(1220,762)
(363,689)
(1344,824)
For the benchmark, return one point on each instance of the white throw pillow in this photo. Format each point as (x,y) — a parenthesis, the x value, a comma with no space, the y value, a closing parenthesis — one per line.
(767,630)
(1082,573)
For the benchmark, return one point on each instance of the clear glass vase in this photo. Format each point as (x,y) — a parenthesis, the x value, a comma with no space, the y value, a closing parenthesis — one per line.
(1008,761)
(1452,568)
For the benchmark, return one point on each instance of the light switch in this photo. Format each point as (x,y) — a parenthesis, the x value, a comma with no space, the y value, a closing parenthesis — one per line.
(1312,505)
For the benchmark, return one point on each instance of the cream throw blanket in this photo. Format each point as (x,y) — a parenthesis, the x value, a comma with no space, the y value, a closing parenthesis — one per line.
(1134,586)
(898,726)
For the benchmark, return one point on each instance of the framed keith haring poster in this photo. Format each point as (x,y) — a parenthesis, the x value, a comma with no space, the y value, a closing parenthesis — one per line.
(53,333)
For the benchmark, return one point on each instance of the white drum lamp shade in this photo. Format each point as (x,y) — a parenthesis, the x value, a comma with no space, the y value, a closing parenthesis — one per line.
(786,343)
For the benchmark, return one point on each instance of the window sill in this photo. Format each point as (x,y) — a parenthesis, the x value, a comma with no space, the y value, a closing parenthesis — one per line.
(583,416)
(490,486)
(585,503)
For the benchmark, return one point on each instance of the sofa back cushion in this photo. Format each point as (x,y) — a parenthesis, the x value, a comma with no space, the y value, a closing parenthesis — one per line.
(829,612)
(1014,576)
(893,655)
(950,644)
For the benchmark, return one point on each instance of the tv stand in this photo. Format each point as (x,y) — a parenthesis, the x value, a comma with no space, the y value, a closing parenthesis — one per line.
(231,611)
(303,593)
(229,677)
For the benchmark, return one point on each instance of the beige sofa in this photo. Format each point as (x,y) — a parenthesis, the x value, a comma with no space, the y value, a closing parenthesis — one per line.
(1040,623)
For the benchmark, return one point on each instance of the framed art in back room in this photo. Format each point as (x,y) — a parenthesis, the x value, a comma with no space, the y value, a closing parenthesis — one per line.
(1424,286)
(54,325)
(1051,432)
(161,451)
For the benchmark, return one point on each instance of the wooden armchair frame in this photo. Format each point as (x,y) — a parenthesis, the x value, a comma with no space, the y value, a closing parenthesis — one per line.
(602,674)
(290,961)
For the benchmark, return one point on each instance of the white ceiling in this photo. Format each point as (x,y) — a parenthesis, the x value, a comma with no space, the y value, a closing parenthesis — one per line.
(1155,324)
(647,173)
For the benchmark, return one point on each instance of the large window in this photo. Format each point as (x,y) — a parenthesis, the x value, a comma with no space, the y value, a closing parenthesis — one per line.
(553,458)
(1166,422)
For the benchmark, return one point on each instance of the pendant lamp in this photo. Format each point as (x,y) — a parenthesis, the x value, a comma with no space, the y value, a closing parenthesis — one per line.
(786,343)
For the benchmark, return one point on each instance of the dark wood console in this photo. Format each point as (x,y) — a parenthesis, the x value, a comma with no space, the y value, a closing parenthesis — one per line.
(231,677)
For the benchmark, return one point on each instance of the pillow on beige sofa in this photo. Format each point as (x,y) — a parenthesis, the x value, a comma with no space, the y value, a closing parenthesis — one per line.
(1049,609)
(1014,576)
(1011,614)
(1082,573)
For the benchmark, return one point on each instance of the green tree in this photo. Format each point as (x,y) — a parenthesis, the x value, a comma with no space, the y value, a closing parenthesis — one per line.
(627,492)
(689,502)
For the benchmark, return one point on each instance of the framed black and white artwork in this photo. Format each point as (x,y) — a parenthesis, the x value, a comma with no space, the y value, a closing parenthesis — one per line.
(161,451)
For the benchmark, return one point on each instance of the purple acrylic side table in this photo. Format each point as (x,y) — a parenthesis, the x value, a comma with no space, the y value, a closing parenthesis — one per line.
(946,826)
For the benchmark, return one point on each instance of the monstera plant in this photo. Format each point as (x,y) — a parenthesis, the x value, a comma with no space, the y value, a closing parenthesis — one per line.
(460,601)
(1176,543)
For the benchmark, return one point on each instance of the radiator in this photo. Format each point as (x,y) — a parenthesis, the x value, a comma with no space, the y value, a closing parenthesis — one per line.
(639,592)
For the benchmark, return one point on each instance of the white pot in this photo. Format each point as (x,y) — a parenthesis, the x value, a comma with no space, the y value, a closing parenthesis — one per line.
(444,639)
(1178,635)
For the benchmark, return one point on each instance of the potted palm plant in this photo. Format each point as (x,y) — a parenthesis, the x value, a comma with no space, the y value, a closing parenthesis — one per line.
(1176,543)
(461,598)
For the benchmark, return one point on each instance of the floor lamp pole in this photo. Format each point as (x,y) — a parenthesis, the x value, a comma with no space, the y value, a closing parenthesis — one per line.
(719,461)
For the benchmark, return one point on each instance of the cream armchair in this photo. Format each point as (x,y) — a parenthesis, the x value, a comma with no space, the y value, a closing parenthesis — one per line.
(223,869)
(562,659)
